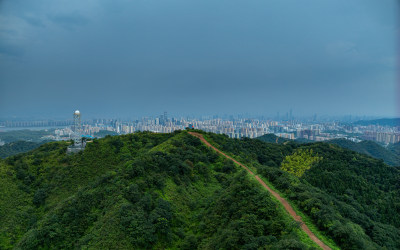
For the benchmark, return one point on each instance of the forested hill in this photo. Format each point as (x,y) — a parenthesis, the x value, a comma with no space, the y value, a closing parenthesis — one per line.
(13,148)
(390,155)
(160,191)
(395,148)
(138,191)
(353,198)
(271,138)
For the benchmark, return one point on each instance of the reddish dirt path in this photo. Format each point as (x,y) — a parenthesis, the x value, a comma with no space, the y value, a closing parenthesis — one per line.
(287,206)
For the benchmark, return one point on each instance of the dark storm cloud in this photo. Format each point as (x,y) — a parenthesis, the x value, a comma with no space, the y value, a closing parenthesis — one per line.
(33,21)
(199,57)
(7,49)
(68,20)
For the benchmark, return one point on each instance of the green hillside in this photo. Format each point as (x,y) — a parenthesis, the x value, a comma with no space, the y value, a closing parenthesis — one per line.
(353,198)
(391,156)
(271,138)
(169,191)
(17,147)
(395,148)
(136,192)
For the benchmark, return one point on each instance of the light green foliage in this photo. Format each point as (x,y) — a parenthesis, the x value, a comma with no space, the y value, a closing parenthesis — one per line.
(300,161)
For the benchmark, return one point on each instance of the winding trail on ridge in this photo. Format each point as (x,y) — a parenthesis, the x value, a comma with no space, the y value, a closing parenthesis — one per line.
(287,206)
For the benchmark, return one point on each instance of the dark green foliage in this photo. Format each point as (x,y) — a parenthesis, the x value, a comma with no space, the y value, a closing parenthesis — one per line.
(271,138)
(137,191)
(395,148)
(354,198)
(250,150)
(39,197)
(14,148)
(239,217)
(390,155)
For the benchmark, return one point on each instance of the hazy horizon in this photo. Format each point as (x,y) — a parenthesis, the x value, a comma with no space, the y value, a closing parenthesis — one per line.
(141,58)
(282,117)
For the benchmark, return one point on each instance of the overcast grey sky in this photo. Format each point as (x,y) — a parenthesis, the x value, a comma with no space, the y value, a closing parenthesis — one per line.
(132,58)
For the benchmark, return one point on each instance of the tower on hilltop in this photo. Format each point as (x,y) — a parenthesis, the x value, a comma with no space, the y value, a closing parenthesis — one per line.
(77,134)
(77,122)
(77,129)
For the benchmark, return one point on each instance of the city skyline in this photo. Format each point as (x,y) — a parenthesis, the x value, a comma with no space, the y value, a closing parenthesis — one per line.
(277,116)
(132,59)
(384,131)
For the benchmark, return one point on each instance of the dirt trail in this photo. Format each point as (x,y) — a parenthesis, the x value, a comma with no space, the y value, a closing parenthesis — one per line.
(287,206)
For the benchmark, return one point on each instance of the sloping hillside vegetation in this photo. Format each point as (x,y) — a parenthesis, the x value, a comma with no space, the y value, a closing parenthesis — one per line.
(140,191)
(271,138)
(395,148)
(353,198)
(17,147)
(389,156)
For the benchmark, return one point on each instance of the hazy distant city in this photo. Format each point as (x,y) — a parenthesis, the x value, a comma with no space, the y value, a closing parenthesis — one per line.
(286,126)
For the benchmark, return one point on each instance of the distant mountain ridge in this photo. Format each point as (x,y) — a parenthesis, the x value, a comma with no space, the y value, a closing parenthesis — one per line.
(370,148)
(272,138)
(13,148)
(395,148)
(393,122)
(390,155)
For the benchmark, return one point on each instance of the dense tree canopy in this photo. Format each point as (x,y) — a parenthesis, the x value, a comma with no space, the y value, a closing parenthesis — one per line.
(353,198)
(148,190)
(137,191)
(13,148)
(388,155)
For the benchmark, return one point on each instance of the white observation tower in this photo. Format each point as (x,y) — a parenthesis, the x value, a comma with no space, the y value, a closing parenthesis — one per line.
(77,134)
(77,122)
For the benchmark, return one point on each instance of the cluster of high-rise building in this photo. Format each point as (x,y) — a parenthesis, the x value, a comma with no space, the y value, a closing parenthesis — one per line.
(237,128)
(383,137)
(40,123)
